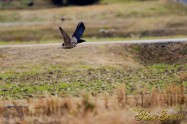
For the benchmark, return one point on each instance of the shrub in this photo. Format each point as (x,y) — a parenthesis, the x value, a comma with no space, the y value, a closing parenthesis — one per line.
(82,2)
(75,2)
(57,2)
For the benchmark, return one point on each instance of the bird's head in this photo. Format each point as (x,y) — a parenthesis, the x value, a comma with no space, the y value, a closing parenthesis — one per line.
(63,45)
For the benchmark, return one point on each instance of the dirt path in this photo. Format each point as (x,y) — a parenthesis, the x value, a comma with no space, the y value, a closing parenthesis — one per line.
(106,42)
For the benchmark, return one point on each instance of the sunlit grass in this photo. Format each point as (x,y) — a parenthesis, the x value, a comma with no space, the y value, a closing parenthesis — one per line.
(130,20)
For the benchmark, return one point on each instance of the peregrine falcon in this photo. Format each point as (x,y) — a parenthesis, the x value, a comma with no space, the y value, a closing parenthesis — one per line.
(71,42)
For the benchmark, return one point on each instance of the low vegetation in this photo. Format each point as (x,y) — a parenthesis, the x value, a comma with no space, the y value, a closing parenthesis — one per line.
(66,73)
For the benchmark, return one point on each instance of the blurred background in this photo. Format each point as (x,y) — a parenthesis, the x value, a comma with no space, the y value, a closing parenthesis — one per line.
(37,21)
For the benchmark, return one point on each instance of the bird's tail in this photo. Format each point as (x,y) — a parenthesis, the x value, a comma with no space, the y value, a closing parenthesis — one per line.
(81,40)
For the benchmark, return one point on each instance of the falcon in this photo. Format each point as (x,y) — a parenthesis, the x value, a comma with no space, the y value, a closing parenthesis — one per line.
(71,42)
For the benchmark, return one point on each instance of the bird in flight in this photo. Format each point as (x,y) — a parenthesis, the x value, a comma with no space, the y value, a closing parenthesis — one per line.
(71,42)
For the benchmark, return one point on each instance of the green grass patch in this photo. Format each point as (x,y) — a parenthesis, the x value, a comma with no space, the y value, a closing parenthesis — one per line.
(58,80)
(10,17)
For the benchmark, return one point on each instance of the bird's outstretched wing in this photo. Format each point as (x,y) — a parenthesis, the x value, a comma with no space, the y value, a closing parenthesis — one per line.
(79,31)
(66,37)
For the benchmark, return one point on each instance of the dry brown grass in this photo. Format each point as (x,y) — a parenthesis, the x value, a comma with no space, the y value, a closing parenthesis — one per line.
(163,53)
(183,76)
(91,109)
(117,55)
(102,55)
(166,1)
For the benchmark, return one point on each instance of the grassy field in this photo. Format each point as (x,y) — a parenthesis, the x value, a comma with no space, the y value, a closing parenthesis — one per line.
(67,73)
(117,81)
(132,20)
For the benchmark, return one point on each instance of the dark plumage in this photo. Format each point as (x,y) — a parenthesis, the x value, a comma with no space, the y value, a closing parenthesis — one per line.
(79,32)
(76,37)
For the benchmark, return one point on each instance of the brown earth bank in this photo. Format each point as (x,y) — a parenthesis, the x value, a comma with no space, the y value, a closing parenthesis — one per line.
(101,54)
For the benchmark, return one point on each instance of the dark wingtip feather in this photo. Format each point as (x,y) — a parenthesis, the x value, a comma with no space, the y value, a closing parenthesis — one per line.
(82,23)
(60,28)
